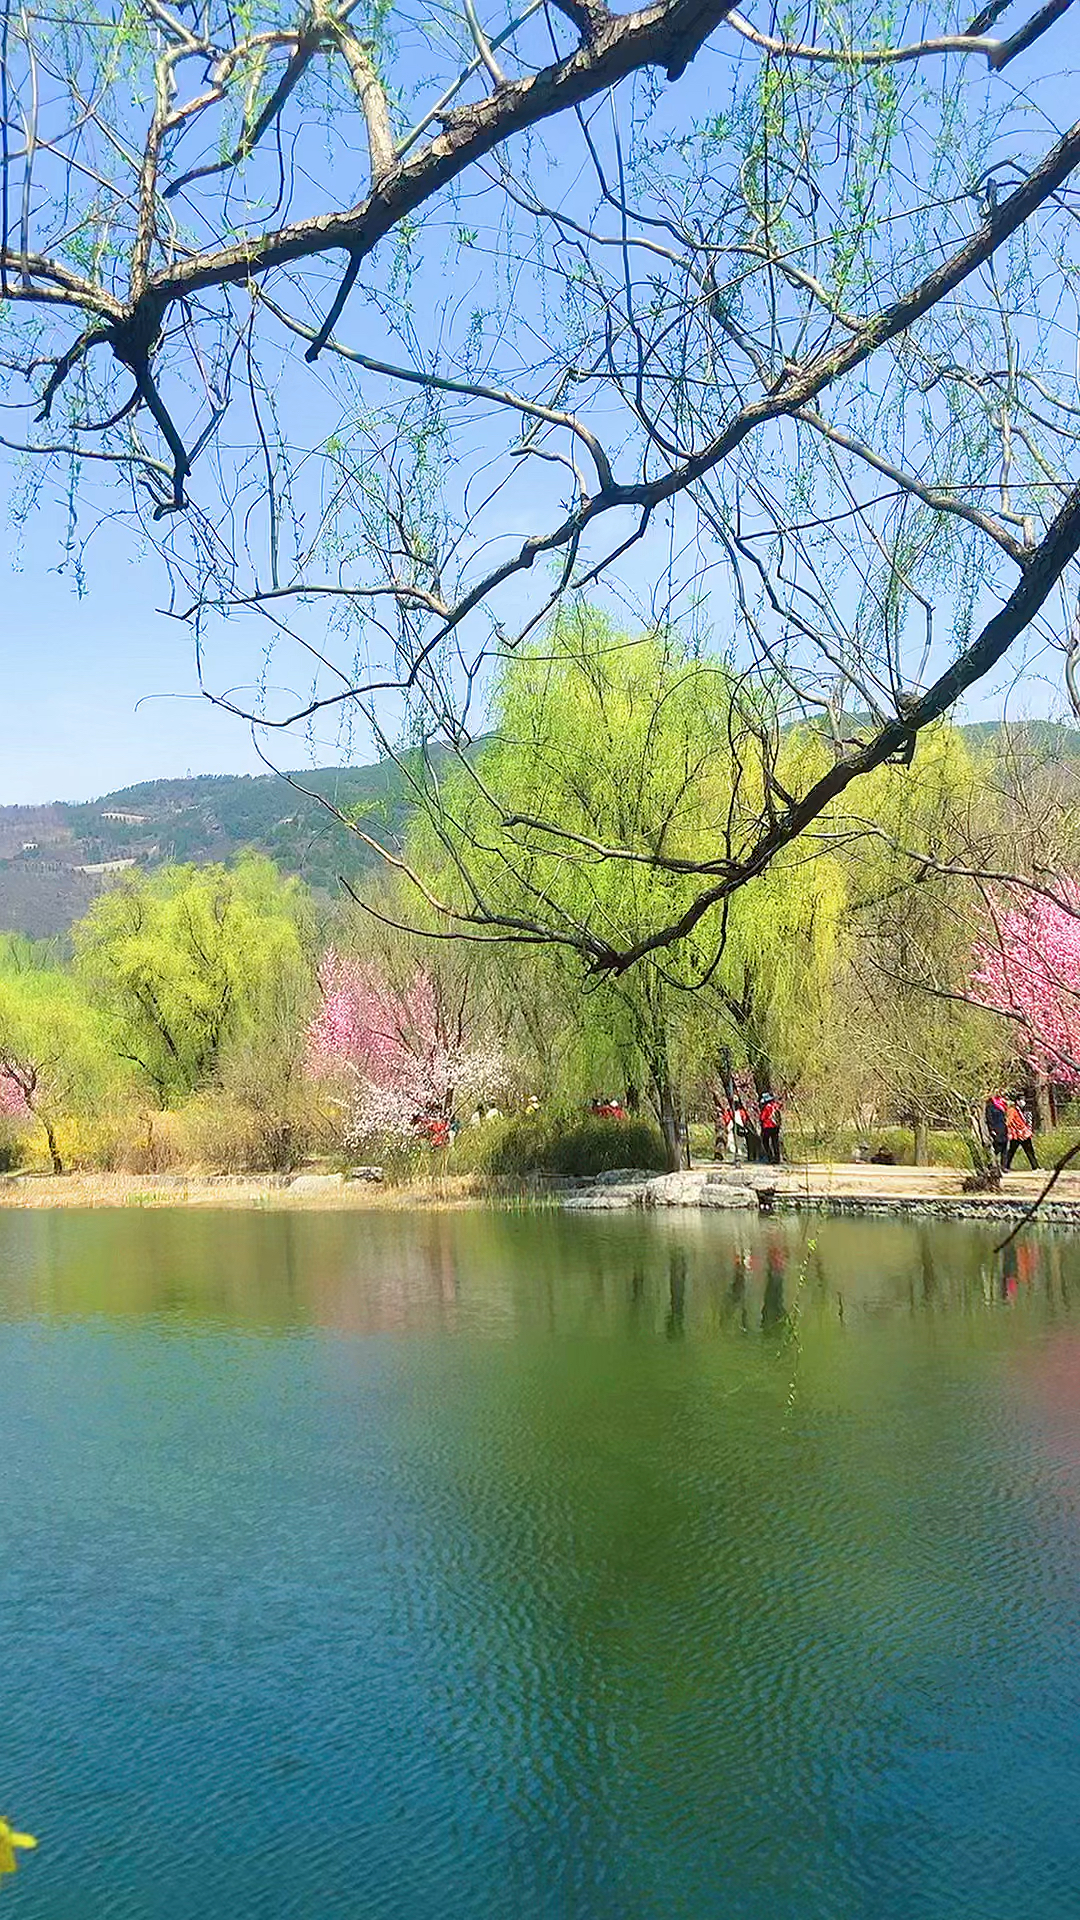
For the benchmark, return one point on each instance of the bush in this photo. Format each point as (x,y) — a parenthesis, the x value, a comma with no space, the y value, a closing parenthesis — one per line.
(93,1143)
(943,1148)
(558,1144)
(13,1144)
(215,1133)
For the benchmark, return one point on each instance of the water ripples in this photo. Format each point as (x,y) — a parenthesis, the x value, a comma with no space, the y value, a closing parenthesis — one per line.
(481,1567)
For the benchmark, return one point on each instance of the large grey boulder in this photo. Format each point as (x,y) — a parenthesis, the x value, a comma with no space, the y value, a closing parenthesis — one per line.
(317,1183)
(695,1190)
(609,1199)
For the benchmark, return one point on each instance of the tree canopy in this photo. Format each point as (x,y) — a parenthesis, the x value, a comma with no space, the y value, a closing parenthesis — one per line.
(189,959)
(395,331)
(628,743)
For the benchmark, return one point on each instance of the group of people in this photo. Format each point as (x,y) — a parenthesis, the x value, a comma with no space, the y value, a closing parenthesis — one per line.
(608,1106)
(1009,1128)
(739,1136)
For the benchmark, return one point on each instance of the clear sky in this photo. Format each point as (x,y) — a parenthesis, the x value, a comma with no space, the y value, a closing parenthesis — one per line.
(100,690)
(101,687)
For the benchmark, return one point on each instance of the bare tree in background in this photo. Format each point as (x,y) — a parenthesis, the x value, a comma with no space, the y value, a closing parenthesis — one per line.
(393,329)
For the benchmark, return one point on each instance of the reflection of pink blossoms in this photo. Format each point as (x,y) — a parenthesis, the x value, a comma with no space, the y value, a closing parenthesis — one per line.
(403,1055)
(1029,965)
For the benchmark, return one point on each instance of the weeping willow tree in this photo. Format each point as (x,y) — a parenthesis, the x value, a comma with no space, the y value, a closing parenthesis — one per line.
(641,745)
(187,962)
(913,1049)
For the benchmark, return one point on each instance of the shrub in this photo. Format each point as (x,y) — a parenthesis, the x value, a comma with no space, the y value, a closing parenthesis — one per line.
(556,1143)
(216,1133)
(13,1144)
(91,1142)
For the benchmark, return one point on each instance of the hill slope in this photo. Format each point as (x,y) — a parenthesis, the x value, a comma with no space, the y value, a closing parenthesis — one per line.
(53,860)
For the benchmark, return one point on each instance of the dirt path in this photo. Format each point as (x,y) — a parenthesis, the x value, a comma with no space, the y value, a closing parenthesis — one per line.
(857,1188)
(304,1192)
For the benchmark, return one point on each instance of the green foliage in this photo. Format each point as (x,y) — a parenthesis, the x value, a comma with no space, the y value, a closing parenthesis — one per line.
(620,758)
(190,962)
(54,1050)
(556,1143)
(12,1147)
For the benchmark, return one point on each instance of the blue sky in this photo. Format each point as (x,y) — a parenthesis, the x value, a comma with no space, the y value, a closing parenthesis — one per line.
(102,688)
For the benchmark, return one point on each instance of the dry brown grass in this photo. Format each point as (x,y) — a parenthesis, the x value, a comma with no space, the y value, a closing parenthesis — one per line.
(239,1190)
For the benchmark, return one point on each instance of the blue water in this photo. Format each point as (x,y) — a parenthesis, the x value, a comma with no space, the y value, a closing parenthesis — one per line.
(478,1565)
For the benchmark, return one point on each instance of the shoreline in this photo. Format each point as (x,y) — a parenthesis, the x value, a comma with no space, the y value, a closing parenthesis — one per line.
(852,1191)
(268,1192)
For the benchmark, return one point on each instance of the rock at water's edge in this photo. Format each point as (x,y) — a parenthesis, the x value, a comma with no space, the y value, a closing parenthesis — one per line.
(663,1190)
(695,1190)
(612,1199)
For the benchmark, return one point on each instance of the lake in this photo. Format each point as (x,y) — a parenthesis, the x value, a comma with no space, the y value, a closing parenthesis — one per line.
(379,1567)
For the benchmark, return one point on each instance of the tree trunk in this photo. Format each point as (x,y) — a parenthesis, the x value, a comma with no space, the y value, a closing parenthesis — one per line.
(720,1103)
(761,1069)
(54,1151)
(671,1127)
(1044,1103)
(922,1139)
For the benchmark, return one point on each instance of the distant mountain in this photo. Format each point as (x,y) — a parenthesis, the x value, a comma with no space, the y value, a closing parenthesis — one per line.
(1035,736)
(53,860)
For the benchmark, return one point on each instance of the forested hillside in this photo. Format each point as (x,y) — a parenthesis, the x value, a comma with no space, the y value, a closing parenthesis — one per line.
(53,860)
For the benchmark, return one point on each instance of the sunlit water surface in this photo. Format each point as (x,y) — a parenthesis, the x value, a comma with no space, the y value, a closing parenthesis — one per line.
(477,1565)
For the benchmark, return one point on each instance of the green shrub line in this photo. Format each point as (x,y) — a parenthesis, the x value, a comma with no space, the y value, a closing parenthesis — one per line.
(557,1143)
(212,1135)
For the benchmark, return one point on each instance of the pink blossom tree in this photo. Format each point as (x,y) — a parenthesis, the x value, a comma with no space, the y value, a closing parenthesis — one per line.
(404,1056)
(19,1099)
(1028,968)
(14,1078)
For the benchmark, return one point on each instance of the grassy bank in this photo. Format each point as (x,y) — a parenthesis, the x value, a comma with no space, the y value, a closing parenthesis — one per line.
(211,1135)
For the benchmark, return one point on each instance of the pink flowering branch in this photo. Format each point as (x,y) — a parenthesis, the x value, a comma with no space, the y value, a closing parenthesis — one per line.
(402,1055)
(17,1086)
(1030,972)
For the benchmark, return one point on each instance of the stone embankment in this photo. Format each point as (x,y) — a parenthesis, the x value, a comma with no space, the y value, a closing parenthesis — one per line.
(919,1192)
(926,1192)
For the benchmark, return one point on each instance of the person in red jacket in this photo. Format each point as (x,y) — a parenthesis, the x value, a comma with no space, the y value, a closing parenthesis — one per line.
(1019,1130)
(769,1117)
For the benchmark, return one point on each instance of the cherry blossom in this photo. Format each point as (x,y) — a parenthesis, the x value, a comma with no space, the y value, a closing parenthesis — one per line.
(403,1055)
(1029,967)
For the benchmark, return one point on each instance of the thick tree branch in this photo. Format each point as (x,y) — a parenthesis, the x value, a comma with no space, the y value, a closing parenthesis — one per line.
(1044,570)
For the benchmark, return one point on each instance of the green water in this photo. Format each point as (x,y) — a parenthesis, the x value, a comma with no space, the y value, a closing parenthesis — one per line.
(477,1565)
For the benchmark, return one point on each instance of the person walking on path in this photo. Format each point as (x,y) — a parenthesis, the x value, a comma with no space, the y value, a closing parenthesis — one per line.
(997,1126)
(744,1146)
(770,1116)
(1019,1130)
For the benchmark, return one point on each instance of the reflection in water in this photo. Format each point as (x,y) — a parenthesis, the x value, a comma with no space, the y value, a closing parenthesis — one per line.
(926,1262)
(358,1274)
(772,1303)
(677,1292)
(480,1564)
